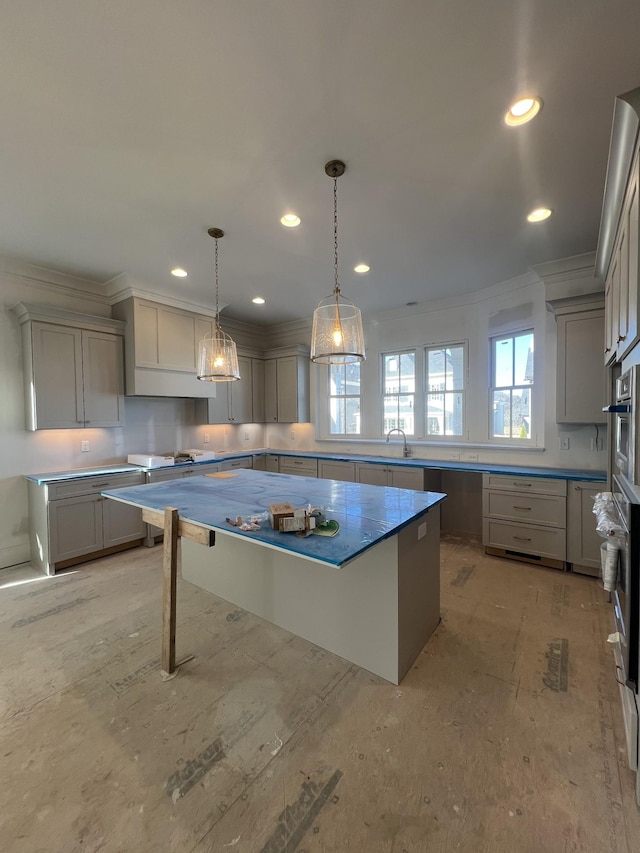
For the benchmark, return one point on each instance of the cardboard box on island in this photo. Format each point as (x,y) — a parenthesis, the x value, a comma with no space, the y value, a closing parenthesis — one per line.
(286,519)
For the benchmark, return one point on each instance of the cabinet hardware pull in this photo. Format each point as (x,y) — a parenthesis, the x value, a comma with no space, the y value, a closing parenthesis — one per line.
(528,508)
(621,338)
(528,485)
(523,538)
(607,349)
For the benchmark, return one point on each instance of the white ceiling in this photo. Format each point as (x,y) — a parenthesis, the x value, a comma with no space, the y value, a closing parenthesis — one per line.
(129,127)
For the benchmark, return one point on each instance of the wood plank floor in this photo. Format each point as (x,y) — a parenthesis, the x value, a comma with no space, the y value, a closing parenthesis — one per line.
(505,737)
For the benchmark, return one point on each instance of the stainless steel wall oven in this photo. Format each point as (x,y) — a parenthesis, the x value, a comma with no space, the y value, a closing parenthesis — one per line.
(626,610)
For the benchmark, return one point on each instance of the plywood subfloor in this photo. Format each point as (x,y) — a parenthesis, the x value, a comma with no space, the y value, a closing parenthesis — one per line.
(505,737)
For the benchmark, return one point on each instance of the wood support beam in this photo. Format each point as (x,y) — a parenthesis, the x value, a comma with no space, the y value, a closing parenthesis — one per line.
(173,528)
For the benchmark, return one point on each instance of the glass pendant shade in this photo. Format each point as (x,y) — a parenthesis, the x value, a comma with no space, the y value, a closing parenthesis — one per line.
(217,355)
(336,336)
(218,358)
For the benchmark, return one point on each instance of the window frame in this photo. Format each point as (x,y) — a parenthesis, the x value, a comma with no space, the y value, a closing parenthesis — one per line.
(417,432)
(530,440)
(442,437)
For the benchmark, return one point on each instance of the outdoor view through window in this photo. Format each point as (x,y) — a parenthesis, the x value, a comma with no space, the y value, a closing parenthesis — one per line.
(512,384)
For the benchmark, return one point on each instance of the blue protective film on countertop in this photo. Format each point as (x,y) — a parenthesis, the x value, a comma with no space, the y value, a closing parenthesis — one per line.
(366,514)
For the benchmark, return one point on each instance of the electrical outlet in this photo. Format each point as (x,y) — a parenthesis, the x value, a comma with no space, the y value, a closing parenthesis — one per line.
(246,435)
(471,457)
(564,442)
(84,447)
(206,438)
(454,455)
(422,530)
(292,433)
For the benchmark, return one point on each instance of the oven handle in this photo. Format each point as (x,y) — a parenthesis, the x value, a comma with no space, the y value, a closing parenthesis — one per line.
(623,408)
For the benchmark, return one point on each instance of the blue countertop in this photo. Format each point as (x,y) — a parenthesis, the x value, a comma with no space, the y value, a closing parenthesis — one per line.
(75,473)
(366,514)
(413,462)
(435,464)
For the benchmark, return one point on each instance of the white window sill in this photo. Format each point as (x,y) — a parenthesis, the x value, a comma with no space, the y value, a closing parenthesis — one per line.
(423,445)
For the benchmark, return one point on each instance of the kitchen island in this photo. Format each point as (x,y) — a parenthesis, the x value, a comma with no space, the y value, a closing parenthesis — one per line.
(370,594)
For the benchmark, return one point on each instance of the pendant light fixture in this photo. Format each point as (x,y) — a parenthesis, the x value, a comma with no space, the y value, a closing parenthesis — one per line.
(217,356)
(336,337)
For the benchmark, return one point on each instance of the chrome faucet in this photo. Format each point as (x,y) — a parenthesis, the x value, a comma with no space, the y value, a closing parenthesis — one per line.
(406,451)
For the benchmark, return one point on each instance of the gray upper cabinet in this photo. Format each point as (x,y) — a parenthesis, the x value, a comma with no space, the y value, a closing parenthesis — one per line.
(161,347)
(581,375)
(618,245)
(73,369)
(239,402)
(286,387)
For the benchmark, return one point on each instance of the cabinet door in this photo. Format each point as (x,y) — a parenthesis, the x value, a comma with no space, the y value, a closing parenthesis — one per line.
(609,350)
(271,390)
(218,405)
(272,463)
(406,478)
(287,389)
(75,527)
(583,543)
(103,379)
(120,523)
(631,212)
(257,390)
(581,376)
(56,390)
(240,394)
(374,475)
(330,469)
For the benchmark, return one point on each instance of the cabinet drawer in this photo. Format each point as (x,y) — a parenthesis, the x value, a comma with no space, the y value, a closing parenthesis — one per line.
(93,485)
(233,464)
(299,465)
(525,538)
(530,508)
(534,485)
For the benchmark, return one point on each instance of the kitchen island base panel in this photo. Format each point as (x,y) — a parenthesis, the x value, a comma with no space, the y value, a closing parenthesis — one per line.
(377,612)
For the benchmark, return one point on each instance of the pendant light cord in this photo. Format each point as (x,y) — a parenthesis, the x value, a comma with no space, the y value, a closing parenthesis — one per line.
(335,234)
(217,288)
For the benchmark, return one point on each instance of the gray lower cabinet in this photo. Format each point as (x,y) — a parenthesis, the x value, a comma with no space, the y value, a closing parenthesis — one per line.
(234,464)
(583,543)
(303,466)
(399,476)
(337,469)
(70,520)
(525,518)
(272,463)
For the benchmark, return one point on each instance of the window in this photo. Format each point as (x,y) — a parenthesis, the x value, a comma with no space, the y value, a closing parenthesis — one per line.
(399,385)
(444,390)
(344,399)
(512,385)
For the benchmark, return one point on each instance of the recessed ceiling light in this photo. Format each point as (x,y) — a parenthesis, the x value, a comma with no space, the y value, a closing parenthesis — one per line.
(362,268)
(523,111)
(179,272)
(290,220)
(539,214)
(258,300)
